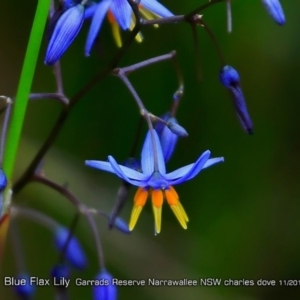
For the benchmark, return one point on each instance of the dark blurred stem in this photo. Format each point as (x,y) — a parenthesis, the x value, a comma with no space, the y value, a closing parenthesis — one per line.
(60,189)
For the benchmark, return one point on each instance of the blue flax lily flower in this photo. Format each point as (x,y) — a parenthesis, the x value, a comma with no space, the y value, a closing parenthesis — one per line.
(120,14)
(65,31)
(154,181)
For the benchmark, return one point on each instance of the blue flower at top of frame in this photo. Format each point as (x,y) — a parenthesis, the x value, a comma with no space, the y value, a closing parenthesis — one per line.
(275,10)
(65,31)
(154,180)
(120,14)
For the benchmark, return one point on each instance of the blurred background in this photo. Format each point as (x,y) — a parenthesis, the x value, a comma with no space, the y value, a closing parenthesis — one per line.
(244,213)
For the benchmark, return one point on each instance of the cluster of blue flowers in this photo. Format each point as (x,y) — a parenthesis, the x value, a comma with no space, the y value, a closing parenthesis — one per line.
(119,13)
(149,173)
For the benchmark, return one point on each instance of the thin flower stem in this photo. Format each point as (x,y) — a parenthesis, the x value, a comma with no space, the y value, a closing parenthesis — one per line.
(34,215)
(189,17)
(202,7)
(148,62)
(143,111)
(55,96)
(229,16)
(214,40)
(197,52)
(81,208)
(166,20)
(4,127)
(58,78)
(94,229)
(172,55)
(17,247)
(60,189)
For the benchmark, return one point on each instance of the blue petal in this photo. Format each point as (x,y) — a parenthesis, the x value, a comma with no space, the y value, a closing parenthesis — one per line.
(147,159)
(213,161)
(97,20)
(106,166)
(157,8)
(65,31)
(124,172)
(90,11)
(241,109)
(122,13)
(101,165)
(275,10)
(188,172)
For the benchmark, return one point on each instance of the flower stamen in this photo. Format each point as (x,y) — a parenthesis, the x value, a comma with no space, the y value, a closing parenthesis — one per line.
(115,28)
(140,198)
(177,208)
(157,201)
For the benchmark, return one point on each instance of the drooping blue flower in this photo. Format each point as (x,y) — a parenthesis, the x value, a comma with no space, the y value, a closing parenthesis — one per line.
(167,138)
(154,180)
(73,253)
(105,290)
(65,31)
(120,14)
(275,10)
(230,79)
(24,289)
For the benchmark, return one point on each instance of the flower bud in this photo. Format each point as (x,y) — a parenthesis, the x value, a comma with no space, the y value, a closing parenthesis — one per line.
(121,225)
(167,138)
(230,79)
(25,291)
(60,271)
(65,31)
(73,251)
(275,10)
(176,128)
(107,291)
